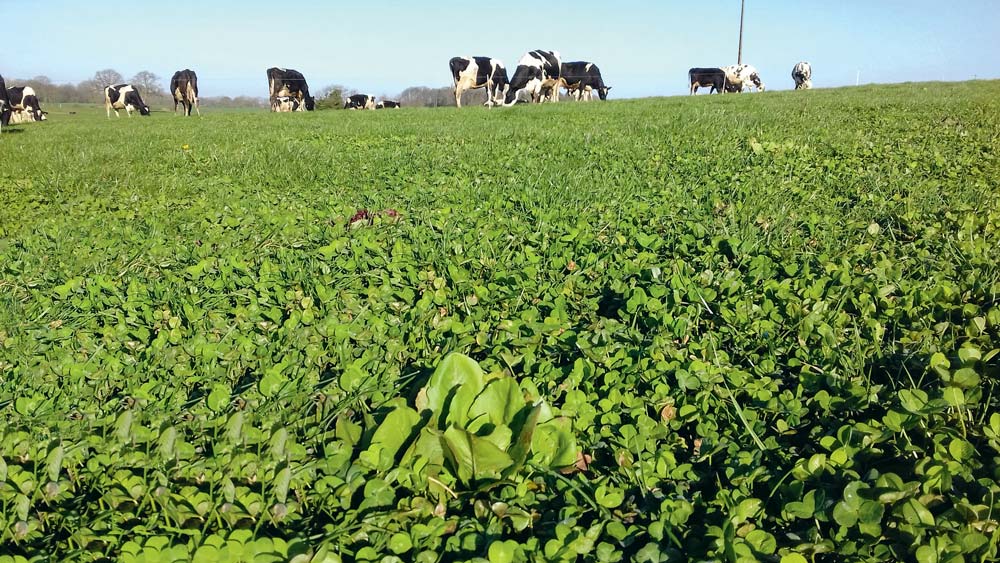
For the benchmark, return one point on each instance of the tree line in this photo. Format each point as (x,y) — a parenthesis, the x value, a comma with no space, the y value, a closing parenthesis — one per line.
(154,93)
(152,88)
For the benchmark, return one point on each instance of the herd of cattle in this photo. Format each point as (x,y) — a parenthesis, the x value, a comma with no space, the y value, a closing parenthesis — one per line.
(540,76)
(736,78)
(289,92)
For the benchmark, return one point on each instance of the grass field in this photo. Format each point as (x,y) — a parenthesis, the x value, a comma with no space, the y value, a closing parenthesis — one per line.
(726,328)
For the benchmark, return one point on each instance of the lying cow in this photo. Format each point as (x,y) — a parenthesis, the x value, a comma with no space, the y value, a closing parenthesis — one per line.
(737,77)
(537,72)
(581,79)
(18,117)
(287,104)
(360,101)
(802,75)
(24,105)
(472,73)
(387,104)
(714,78)
(124,96)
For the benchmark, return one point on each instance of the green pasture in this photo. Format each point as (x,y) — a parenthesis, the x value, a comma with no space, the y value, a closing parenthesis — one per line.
(718,328)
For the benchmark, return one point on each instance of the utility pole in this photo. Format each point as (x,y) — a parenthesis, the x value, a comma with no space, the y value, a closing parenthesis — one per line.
(739,55)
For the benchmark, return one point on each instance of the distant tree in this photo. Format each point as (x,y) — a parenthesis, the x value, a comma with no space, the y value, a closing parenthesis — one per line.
(237,102)
(148,84)
(106,77)
(331,97)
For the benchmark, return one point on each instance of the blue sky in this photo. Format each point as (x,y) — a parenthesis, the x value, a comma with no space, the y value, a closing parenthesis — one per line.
(643,47)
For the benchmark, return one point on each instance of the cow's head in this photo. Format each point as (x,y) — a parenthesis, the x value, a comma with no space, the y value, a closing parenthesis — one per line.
(144,110)
(310,103)
(526,77)
(755,78)
(603,92)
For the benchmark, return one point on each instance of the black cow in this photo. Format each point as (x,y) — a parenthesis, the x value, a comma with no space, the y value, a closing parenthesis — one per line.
(537,72)
(24,105)
(124,96)
(581,79)
(714,78)
(360,101)
(4,104)
(184,89)
(472,73)
(289,82)
(388,104)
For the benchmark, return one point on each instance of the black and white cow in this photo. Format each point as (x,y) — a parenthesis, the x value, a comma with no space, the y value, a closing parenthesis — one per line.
(360,101)
(5,110)
(714,78)
(581,79)
(286,104)
(472,73)
(184,89)
(537,72)
(802,75)
(289,82)
(737,77)
(24,105)
(124,96)
(388,104)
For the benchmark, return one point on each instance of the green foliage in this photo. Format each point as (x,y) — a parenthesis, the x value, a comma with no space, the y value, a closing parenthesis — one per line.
(730,328)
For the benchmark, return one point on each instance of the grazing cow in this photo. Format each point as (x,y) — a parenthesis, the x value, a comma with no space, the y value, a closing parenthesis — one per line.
(286,104)
(288,82)
(24,105)
(581,79)
(184,89)
(5,110)
(472,73)
(738,75)
(360,101)
(802,75)
(714,78)
(388,104)
(124,96)
(537,72)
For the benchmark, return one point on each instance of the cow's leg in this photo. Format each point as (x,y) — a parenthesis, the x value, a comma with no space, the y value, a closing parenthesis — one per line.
(107,107)
(196,108)
(458,95)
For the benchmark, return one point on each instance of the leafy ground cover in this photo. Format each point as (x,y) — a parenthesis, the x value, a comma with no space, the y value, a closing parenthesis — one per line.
(727,328)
